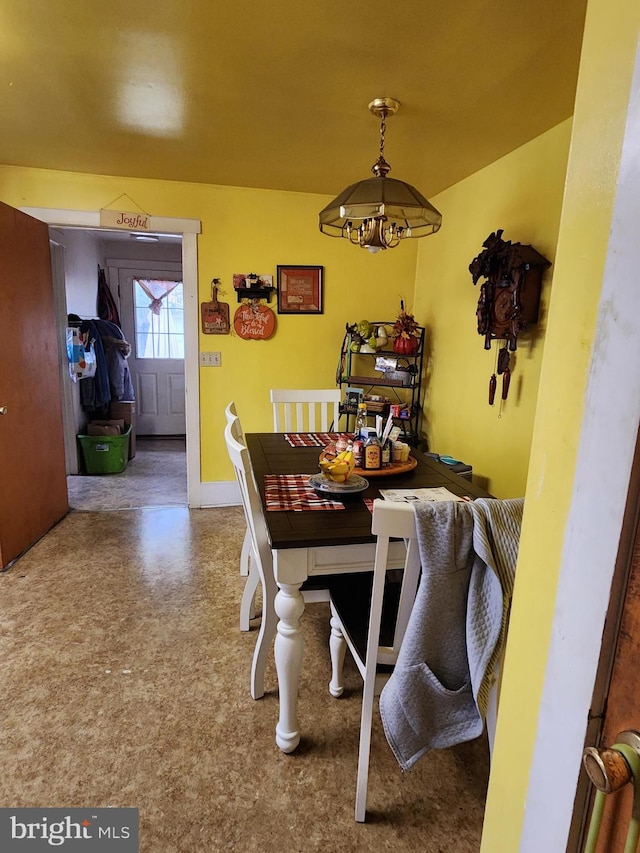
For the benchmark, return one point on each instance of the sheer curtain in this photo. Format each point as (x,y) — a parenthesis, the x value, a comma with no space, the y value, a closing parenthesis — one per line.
(160,322)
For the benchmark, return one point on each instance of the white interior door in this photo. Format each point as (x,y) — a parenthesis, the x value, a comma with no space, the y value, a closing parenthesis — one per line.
(152,317)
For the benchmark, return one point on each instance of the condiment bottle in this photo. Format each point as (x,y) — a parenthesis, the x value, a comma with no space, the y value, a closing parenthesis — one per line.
(358,451)
(361,420)
(386,453)
(372,452)
(341,443)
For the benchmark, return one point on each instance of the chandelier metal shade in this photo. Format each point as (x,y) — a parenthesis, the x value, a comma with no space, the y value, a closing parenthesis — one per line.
(379,212)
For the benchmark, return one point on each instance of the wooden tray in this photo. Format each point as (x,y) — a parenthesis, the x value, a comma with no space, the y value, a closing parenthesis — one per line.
(389,470)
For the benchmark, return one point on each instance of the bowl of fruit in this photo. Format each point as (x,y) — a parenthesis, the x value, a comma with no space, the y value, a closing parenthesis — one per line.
(336,473)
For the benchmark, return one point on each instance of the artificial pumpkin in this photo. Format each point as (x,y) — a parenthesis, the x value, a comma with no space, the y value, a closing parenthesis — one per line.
(405,346)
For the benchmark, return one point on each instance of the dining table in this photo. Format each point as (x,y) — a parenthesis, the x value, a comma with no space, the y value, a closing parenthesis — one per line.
(318,534)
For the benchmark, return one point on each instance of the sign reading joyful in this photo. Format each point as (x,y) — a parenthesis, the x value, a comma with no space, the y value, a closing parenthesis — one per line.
(122,219)
(253,320)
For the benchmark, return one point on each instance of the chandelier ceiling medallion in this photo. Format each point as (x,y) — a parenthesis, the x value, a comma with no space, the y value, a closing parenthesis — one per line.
(379,212)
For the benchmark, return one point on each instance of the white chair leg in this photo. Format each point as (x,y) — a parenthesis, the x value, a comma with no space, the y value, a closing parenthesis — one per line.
(268,627)
(247,603)
(491,717)
(337,648)
(364,749)
(245,555)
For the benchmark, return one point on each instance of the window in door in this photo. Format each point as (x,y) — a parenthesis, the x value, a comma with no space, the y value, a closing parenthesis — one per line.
(159,318)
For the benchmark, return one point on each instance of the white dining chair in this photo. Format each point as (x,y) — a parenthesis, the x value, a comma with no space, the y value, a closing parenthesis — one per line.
(261,572)
(305,410)
(371,613)
(232,418)
(357,600)
(261,557)
(248,567)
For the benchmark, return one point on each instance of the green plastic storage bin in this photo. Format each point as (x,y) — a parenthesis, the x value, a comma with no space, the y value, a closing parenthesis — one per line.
(105,454)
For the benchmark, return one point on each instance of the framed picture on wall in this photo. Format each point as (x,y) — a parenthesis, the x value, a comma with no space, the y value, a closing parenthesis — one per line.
(299,289)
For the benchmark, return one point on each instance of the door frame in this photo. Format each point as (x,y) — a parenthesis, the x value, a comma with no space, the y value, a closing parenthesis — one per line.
(60,301)
(189,230)
(610,422)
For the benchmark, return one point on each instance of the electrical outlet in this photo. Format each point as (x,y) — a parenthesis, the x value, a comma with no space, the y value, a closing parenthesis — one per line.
(210,359)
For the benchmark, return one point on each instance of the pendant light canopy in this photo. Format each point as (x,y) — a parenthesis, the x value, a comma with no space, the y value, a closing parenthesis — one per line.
(379,212)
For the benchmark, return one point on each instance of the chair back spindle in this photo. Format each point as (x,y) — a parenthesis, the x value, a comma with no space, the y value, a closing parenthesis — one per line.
(305,410)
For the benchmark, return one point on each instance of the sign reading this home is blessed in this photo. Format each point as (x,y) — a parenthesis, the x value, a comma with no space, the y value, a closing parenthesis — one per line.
(254,320)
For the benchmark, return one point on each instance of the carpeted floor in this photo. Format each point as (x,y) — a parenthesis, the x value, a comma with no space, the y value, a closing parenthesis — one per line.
(126,683)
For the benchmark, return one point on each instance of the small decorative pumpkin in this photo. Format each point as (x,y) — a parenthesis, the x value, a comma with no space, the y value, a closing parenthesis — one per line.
(405,346)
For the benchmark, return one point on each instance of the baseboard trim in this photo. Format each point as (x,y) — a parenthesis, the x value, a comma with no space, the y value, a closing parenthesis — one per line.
(223,493)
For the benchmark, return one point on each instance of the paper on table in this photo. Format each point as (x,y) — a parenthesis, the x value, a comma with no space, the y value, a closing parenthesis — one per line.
(439,493)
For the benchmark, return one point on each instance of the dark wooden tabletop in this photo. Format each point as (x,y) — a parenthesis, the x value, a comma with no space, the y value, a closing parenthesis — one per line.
(271,454)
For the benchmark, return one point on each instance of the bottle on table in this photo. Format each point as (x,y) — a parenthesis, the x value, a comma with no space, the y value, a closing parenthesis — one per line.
(341,443)
(358,451)
(361,420)
(372,452)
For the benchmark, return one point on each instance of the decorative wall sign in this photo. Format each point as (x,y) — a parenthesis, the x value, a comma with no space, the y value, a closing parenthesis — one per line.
(125,219)
(214,314)
(254,320)
(509,298)
(300,290)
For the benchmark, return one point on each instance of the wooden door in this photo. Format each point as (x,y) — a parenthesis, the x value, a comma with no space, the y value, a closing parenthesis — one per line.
(623,706)
(33,483)
(158,381)
(616,703)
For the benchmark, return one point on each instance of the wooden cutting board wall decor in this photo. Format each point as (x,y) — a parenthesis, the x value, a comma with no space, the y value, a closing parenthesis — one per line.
(214,314)
(254,320)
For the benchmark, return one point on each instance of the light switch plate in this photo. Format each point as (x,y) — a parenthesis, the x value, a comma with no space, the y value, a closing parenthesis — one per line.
(210,359)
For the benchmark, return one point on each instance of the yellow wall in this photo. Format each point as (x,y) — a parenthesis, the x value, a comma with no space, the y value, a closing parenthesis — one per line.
(522,194)
(247,230)
(610,41)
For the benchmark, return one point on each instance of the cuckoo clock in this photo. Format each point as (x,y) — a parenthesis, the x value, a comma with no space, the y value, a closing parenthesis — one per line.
(509,298)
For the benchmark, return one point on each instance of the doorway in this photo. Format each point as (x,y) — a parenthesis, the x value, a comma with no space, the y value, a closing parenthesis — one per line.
(140,277)
(187,230)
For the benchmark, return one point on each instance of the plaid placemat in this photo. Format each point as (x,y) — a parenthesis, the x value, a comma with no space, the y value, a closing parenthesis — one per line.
(293,492)
(313,439)
(368,502)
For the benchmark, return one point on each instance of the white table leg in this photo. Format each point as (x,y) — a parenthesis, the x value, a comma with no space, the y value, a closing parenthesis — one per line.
(289,606)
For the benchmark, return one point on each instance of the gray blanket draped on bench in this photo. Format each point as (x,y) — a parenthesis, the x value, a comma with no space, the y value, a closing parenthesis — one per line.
(437,694)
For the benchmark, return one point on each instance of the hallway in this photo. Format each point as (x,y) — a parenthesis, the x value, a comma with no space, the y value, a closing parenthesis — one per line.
(127,684)
(156,476)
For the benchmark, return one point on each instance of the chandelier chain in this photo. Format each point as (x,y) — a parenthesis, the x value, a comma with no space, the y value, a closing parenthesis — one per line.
(383,128)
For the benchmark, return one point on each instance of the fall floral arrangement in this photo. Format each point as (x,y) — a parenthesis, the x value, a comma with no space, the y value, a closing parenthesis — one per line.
(406,332)
(405,326)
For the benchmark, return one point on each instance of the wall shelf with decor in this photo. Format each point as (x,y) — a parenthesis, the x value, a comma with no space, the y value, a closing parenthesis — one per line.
(254,293)
(398,385)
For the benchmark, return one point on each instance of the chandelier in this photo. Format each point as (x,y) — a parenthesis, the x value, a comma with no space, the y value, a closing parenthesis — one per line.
(379,212)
